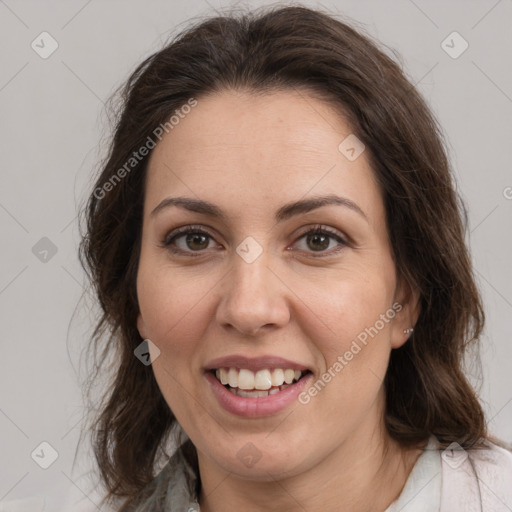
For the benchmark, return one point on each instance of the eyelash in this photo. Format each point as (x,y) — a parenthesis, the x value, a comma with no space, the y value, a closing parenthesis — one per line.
(318,229)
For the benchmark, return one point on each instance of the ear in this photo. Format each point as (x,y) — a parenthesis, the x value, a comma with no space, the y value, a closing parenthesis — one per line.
(408,307)
(141,327)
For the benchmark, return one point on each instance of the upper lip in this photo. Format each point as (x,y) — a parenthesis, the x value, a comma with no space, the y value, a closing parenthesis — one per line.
(254,363)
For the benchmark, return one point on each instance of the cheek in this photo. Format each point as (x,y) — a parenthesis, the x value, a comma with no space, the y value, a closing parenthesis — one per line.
(342,318)
(170,303)
(174,314)
(343,306)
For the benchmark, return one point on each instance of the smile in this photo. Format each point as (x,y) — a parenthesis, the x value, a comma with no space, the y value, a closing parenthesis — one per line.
(256,387)
(248,384)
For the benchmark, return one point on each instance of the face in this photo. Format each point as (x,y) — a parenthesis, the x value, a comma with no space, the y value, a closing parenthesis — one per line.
(253,297)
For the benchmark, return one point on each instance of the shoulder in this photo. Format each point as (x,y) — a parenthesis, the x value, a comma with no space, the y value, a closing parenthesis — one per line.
(172,489)
(493,467)
(492,454)
(481,476)
(492,461)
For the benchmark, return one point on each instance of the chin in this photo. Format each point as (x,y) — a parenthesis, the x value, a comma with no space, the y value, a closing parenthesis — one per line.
(256,457)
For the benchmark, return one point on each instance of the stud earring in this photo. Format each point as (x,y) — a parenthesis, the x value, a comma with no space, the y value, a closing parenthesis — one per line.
(408,331)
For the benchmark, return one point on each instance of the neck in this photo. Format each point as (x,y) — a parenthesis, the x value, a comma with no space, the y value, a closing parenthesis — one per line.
(364,473)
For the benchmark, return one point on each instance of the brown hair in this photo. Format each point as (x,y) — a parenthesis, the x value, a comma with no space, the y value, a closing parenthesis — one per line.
(290,48)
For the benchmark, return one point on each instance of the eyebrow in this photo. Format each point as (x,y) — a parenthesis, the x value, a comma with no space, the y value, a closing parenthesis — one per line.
(285,212)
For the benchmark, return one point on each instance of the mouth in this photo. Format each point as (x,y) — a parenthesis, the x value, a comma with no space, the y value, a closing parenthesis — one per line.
(256,387)
(266,382)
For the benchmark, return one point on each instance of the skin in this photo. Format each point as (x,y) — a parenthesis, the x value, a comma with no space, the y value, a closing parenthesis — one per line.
(250,154)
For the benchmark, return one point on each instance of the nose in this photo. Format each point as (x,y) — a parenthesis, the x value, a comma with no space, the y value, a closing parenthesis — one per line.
(253,298)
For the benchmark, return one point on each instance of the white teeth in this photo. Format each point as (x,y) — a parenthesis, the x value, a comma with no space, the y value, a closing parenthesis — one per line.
(246,394)
(233,377)
(289,375)
(251,394)
(264,381)
(245,380)
(277,377)
(257,393)
(224,379)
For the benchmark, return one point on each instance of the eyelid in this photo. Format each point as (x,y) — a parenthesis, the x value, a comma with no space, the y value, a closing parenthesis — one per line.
(323,228)
(333,233)
(342,239)
(183,230)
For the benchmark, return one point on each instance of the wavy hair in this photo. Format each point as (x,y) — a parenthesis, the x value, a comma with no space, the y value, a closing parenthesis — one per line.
(288,48)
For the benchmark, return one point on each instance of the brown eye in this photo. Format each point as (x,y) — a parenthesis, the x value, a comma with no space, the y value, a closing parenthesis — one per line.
(188,240)
(320,239)
(196,241)
(318,242)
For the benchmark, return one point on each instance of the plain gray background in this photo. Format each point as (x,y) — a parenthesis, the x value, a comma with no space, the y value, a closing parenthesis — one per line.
(52,124)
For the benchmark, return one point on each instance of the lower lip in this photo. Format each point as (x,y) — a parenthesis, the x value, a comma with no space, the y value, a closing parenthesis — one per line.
(260,406)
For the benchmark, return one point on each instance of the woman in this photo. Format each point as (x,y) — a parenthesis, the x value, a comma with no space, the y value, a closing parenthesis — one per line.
(278,250)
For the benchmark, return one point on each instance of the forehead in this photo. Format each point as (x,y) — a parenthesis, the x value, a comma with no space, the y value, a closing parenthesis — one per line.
(253,147)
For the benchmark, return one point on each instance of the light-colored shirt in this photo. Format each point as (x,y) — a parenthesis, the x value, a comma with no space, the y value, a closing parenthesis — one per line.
(422,490)
(450,480)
